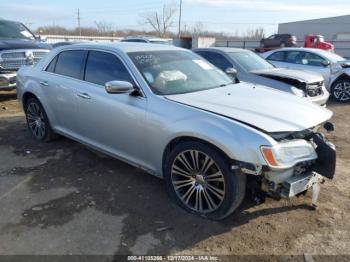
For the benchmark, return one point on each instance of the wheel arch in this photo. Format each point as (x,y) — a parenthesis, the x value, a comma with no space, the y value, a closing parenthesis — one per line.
(182,139)
(26,96)
(341,77)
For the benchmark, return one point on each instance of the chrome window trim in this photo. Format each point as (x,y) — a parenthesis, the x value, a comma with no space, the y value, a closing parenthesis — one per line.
(84,81)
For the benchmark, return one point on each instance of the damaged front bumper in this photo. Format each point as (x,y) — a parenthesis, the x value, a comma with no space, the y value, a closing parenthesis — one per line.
(287,183)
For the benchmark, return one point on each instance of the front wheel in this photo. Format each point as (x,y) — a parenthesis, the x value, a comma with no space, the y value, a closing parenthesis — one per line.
(200,180)
(340,90)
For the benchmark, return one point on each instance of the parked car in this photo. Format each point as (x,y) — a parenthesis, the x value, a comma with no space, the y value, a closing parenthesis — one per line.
(18,46)
(59,44)
(334,68)
(170,112)
(151,40)
(252,68)
(317,41)
(279,40)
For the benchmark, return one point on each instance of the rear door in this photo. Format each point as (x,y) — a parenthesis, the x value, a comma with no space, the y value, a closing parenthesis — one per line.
(278,59)
(63,75)
(111,122)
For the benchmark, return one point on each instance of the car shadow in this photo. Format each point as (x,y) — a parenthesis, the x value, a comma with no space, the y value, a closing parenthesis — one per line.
(7,95)
(115,188)
(332,102)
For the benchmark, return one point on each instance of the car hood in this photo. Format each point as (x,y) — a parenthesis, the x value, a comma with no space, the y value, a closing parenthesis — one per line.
(22,44)
(301,75)
(258,106)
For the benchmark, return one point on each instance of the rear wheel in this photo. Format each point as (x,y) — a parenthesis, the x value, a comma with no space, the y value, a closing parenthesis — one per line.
(200,180)
(340,90)
(37,121)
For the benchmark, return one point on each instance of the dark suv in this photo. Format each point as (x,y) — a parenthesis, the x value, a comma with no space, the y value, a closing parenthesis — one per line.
(18,46)
(279,40)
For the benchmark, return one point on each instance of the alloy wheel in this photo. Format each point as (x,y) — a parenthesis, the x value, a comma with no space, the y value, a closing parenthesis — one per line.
(36,121)
(341,91)
(198,181)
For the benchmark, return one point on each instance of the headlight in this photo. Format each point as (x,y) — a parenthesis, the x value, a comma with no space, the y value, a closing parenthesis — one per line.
(298,92)
(287,154)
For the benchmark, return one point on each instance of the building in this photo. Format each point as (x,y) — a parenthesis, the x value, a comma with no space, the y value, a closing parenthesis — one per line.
(332,28)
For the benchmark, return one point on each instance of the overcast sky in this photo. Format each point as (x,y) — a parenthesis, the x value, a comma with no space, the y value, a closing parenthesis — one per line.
(219,15)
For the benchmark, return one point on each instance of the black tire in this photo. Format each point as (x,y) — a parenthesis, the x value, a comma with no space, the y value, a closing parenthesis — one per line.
(234,184)
(37,120)
(340,90)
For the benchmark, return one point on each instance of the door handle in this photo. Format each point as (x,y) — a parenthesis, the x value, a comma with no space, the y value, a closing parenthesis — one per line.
(44,83)
(84,95)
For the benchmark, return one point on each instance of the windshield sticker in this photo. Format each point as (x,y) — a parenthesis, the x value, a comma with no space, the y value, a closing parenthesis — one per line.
(203,64)
(147,59)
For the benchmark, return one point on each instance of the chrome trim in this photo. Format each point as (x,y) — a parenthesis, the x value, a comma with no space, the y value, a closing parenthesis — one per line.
(14,59)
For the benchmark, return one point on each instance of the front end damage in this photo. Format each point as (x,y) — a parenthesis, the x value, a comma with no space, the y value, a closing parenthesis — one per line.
(295,180)
(315,91)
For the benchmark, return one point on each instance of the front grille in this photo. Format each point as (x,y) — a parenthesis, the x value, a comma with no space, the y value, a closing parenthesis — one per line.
(14,59)
(314,89)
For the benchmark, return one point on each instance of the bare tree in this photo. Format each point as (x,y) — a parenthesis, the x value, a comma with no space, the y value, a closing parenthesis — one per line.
(255,34)
(161,22)
(198,29)
(104,27)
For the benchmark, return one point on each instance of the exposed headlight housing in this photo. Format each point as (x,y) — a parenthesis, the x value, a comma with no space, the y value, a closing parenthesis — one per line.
(298,92)
(286,154)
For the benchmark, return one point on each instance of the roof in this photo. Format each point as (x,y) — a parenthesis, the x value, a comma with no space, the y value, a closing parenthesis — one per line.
(147,38)
(224,49)
(318,20)
(315,50)
(127,47)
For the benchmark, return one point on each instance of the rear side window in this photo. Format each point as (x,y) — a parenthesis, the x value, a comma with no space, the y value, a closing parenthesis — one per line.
(294,57)
(69,63)
(52,65)
(278,56)
(216,59)
(102,67)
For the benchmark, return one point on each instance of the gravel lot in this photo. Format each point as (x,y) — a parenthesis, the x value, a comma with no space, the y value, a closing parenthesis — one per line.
(62,198)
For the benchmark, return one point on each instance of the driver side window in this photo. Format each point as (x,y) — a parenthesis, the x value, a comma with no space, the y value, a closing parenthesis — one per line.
(102,67)
(313,59)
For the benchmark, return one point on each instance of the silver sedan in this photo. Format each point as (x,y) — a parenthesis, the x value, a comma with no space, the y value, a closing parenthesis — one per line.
(171,113)
(334,68)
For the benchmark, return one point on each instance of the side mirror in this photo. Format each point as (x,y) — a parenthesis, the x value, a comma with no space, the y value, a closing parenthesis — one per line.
(41,38)
(231,71)
(325,63)
(119,87)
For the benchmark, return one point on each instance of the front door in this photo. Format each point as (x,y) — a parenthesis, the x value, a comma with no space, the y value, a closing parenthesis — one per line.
(111,122)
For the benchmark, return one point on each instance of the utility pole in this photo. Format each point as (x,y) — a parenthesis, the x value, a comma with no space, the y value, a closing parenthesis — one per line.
(180,13)
(79,22)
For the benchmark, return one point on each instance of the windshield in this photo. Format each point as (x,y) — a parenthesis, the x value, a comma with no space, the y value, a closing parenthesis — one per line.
(250,61)
(321,39)
(177,72)
(332,57)
(14,30)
